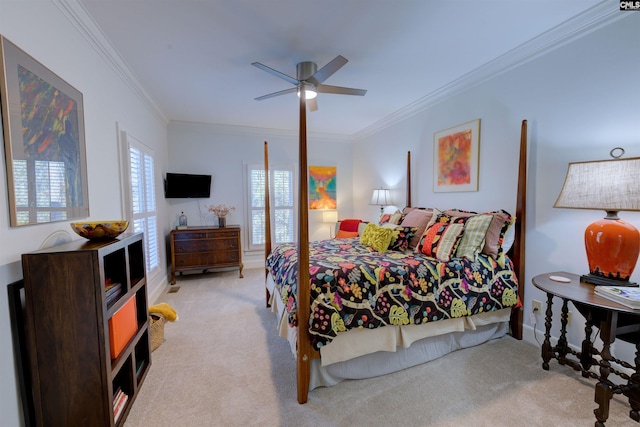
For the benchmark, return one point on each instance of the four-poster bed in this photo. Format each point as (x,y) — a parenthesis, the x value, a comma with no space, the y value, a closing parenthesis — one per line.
(403,342)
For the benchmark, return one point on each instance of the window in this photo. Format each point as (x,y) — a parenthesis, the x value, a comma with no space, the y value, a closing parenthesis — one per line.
(282,192)
(141,202)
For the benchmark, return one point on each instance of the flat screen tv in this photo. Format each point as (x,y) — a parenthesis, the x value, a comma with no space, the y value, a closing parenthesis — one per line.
(184,185)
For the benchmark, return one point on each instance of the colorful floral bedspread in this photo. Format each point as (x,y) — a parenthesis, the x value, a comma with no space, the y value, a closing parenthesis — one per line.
(353,286)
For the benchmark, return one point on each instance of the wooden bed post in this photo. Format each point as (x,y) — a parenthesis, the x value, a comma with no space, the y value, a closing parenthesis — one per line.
(303,359)
(408,178)
(267,217)
(518,256)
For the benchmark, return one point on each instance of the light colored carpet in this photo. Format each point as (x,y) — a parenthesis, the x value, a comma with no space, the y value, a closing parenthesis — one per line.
(222,364)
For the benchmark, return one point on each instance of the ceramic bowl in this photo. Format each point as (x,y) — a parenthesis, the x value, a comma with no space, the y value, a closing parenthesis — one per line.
(99,230)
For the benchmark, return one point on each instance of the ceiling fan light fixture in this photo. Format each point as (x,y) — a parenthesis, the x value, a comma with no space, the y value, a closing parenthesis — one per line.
(309,91)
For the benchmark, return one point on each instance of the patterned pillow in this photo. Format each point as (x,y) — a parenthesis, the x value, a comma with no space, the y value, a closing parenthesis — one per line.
(401,236)
(475,230)
(418,218)
(376,237)
(441,238)
(384,219)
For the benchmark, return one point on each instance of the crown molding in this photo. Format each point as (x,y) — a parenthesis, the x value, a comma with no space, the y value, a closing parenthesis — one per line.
(577,27)
(79,17)
(262,132)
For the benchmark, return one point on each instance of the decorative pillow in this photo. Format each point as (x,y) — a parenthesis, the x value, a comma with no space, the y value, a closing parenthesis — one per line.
(350,224)
(502,252)
(346,234)
(401,236)
(441,238)
(376,237)
(475,230)
(494,238)
(418,218)
(384,219)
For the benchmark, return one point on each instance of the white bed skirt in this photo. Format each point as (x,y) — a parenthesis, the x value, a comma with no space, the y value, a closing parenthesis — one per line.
(367,353)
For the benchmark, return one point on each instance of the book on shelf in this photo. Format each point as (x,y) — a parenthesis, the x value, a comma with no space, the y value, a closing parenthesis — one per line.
(119,405)
(628,296)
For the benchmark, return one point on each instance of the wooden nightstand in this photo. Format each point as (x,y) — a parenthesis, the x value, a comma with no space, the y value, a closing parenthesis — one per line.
(205,248)
(614,321)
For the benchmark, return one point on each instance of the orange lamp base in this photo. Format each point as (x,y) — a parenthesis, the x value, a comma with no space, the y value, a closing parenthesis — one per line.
(612,251)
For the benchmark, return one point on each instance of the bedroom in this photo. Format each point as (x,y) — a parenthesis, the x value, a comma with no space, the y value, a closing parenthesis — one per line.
(578,104)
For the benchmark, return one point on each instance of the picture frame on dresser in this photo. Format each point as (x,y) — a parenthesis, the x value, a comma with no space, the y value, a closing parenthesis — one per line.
(456,158)
(44,139)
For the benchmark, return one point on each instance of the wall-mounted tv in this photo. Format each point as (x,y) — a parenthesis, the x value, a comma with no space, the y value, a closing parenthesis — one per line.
(184,185)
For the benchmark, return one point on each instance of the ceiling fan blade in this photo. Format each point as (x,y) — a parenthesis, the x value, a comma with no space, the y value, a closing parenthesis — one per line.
(281,92)
(327,71)
(313,104)
(340,90)
(276,73)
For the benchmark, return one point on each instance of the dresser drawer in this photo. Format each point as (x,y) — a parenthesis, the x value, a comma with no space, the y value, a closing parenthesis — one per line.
(205,245)
(206,259)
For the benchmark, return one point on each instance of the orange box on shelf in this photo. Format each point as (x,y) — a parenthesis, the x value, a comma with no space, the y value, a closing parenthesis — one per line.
(122,326)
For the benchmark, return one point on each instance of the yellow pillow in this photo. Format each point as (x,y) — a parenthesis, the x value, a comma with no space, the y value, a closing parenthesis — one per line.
(376,237)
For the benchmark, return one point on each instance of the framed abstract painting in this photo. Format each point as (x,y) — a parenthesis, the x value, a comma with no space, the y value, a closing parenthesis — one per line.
(43,129)
(322,187)
(455,158)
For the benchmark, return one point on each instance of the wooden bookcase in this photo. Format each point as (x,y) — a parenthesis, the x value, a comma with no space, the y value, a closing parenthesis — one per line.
(204,248)
(73,379)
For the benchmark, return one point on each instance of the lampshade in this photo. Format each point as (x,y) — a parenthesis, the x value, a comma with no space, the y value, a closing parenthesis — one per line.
(381,197)
(610,185)
(612,245)
(330,216)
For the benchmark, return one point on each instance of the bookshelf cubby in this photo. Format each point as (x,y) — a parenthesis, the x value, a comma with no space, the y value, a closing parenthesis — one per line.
(74,380)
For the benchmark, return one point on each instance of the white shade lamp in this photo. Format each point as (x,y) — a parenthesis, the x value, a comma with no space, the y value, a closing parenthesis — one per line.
(612,245)
(381,197)
(330,217)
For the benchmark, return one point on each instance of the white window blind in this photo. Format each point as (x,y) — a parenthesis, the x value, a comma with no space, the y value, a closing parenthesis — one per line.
(143,199)
(282,192)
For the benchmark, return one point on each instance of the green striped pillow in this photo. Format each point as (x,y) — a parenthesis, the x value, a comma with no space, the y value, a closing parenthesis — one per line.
(472,241)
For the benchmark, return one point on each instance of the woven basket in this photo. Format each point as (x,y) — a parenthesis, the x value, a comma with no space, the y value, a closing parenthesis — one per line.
(156,329)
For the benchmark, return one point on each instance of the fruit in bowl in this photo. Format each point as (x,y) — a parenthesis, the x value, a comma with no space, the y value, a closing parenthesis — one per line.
(99,230)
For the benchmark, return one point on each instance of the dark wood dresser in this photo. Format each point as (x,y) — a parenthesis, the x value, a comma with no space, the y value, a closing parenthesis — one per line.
(205,248)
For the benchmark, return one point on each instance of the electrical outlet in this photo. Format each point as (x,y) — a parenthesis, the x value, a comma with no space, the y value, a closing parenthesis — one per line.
(536,307)
(569,318)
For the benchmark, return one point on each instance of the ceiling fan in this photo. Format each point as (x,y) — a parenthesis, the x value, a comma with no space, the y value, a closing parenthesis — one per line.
(310,79)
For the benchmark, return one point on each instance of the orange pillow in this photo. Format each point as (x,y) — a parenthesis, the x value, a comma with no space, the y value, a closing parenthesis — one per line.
(346,234)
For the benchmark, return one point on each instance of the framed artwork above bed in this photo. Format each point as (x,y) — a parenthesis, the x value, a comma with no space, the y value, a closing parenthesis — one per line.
(322,187)
(455,158)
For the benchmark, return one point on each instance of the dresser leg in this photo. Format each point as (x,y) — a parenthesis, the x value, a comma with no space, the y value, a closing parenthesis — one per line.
(562,346)
(241,267)
(603,391)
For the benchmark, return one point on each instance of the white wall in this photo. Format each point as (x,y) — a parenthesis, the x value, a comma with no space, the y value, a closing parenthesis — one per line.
(45,32)
(580,101)
(224,152)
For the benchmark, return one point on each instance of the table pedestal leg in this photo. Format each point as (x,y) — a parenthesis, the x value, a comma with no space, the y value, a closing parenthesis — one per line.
(547,351)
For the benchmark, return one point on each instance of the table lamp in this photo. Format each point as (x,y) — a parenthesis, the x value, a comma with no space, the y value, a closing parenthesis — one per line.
(612,244)
(381,197)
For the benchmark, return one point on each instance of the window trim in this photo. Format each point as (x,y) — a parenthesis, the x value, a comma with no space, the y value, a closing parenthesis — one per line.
(248,211)
(126,142)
